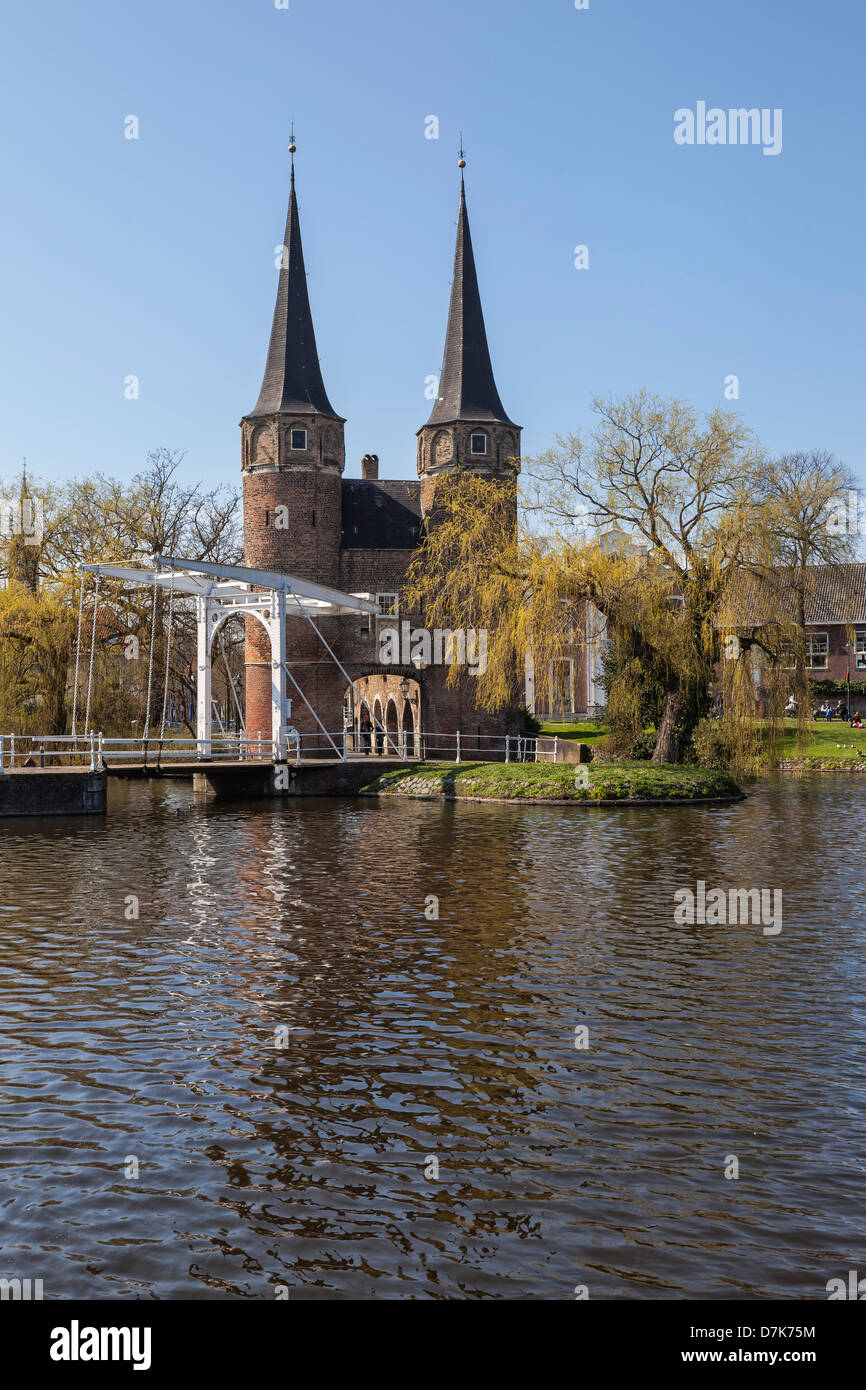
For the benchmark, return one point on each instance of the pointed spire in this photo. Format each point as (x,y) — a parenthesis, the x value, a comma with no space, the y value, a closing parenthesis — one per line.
(293,377)
(467,390)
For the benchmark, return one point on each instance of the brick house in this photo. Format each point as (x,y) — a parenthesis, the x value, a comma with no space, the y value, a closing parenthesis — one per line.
(836,622)
(835,609)
(303,517)
(570,687)
(835,641)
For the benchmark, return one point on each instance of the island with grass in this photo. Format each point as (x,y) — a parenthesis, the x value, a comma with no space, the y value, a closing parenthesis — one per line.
(594,784)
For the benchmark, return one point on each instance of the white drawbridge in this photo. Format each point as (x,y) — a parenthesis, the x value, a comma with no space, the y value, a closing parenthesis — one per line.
(220,592)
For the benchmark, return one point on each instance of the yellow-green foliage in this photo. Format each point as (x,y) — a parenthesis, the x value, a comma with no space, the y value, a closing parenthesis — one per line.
(656,520)
(36,637)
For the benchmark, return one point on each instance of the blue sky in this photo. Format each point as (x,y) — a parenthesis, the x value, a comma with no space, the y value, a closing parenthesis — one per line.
(155,257)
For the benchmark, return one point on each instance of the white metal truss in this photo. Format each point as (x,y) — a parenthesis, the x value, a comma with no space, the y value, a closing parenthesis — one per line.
(220,591)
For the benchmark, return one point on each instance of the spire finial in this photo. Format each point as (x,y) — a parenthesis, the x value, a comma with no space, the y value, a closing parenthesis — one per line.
(461,163)
(292,147)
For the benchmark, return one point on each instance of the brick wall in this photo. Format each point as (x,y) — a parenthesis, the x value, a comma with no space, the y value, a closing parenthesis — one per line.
(311,550)
(292,523)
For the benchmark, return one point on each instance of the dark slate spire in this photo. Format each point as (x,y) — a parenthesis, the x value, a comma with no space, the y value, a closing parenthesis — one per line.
(293,378)
(467,390)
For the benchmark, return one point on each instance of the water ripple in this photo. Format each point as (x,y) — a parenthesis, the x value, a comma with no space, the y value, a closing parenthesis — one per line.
(323,1089)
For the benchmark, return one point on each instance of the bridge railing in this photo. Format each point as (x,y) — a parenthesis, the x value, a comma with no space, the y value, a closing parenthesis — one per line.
(96,751)
(422,745)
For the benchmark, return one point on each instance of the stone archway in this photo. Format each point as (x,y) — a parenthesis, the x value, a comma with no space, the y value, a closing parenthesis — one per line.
(378,723)
(391,699)
(408,728)
(392,724)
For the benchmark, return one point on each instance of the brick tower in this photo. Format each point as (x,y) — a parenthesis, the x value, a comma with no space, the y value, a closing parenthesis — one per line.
(468,427)
(359,535)
(293,459)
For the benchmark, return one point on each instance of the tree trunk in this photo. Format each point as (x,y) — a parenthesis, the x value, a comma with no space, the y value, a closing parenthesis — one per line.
(800,673)
(667,749)
(54,696)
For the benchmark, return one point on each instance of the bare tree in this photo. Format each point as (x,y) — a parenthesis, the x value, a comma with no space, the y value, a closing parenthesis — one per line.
(681,488)
(803,496)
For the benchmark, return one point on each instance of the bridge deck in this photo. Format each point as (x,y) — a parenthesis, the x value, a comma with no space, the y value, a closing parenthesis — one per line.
(237,767)
(74,791)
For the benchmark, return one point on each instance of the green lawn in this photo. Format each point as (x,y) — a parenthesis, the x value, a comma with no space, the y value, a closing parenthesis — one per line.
(836,741)
(584,733)
(638,781)
(821,745)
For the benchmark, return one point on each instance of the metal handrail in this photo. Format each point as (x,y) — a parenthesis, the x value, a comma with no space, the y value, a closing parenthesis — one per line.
(408,745)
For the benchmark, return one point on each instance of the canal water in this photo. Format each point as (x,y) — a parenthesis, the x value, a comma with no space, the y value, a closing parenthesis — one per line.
(287,1077)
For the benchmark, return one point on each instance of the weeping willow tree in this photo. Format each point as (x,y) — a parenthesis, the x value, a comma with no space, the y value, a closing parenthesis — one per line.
(650,521)
(37,633)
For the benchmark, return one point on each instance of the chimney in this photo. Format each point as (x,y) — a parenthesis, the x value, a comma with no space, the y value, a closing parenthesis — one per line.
(370,467)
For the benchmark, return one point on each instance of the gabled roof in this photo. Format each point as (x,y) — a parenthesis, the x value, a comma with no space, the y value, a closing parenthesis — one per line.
(467,390)
(293,378)
(834,594)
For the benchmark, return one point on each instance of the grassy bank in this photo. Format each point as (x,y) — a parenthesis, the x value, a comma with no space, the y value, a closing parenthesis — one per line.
(585,732)
(829,746)
(555,781)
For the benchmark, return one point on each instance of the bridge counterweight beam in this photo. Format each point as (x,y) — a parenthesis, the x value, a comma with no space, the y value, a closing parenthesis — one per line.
(204,613)
(281,705)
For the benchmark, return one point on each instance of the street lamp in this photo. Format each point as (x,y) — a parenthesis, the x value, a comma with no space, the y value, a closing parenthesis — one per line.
(848,696)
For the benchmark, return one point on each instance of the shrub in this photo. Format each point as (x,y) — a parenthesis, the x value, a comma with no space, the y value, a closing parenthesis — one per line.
(615,748)
(531,725)
(644,746)
(712,745)
(728,747)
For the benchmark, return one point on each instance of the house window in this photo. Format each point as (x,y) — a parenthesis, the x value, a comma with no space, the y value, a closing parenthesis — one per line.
(388,605)
(817,646)
(299,439)
(478,443)
(860,650)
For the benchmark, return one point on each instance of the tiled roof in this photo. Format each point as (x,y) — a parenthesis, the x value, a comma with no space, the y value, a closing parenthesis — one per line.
(381,514)
(834,594)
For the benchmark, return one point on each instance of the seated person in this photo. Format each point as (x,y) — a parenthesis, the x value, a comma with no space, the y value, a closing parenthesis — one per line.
(857,722)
